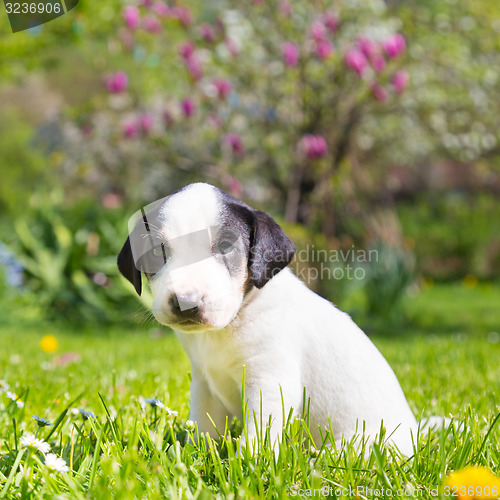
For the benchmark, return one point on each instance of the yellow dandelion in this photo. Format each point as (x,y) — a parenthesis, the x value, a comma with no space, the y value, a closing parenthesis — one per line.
(470,281)
(49,343)
(473,483)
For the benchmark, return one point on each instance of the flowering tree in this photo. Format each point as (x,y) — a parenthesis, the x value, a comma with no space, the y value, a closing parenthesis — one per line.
(270,93)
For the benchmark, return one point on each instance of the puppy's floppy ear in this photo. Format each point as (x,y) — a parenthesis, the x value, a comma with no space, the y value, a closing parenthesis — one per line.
(126,266)
(271,249)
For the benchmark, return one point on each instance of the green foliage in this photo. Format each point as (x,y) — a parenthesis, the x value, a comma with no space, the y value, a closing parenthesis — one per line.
(387,279)
(69,256)
(468,243)
(21,165)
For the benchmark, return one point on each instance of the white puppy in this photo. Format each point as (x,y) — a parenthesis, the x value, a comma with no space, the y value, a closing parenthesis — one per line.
(217,270)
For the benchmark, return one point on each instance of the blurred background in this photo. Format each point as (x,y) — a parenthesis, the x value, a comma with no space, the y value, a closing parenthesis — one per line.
(360,125)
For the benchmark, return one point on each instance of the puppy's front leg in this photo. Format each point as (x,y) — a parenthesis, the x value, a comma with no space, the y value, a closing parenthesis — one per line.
(205,404)
(264,403)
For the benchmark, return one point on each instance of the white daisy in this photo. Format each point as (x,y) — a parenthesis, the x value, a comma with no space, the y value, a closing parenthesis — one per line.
(74,412)
(156,402)
(11,395)
(54,463)
(4,386)
(15,398)
(142,402)
(171,412)
(31,441)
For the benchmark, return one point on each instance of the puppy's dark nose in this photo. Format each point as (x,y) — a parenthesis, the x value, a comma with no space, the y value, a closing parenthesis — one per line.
(185,305)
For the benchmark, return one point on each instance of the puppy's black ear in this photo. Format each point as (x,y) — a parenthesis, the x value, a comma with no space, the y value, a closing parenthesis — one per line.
(127,267)
(271,250)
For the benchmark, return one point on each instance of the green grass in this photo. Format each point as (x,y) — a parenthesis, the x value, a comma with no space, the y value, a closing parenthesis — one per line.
(446,358)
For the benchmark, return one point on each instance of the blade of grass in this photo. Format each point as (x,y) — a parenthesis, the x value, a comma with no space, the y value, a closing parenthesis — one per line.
(95,459)
(12,473)
(62,415)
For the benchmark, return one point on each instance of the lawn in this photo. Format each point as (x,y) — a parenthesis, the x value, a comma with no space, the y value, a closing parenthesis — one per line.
(446,356)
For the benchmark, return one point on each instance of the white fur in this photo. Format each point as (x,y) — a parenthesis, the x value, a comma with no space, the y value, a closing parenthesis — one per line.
(289,338)
(285,335)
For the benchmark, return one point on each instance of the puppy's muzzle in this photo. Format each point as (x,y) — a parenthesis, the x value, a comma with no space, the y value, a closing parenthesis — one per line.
(186,306)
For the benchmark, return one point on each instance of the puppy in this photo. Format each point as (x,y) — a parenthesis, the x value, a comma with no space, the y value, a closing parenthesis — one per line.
(218,274)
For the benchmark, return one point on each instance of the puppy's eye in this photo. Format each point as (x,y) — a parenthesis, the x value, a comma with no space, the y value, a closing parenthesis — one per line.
(225,247)
(161,251)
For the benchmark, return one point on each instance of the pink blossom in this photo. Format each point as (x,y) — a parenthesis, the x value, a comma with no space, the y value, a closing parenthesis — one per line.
(234,142)
(324,48)
(147,3)
(215,121)
(127,37)
(161,8)
(367,47)
(186,49)
(235,186)
(285,8)
(219,26)
(313,146)
(290,53)
(401,80)
(318,30)
(117,82)
(73,357)
(331,21)
(207,33)
(379,92)
(395,45)
(87,129)
(167,118)
(132,16)
(184,15)
(111,200)
(231,46)
(194,67)
(146,122)
(356,60)
(151,24)
(130,128)
(188,107)
(223,87)
(378,63)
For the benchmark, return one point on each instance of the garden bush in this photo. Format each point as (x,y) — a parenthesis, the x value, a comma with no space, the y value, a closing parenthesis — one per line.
(266,96)
(68,256)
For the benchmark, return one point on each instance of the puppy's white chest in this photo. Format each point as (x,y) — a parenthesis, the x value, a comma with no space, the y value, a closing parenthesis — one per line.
(214,357)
